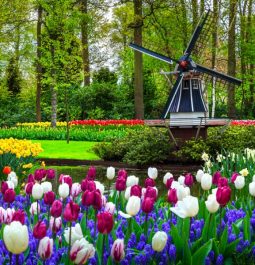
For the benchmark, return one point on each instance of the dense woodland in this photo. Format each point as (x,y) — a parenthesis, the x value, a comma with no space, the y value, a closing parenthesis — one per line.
(70,59)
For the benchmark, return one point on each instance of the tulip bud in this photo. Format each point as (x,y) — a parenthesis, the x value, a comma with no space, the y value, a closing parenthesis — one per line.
(40,230)
(152,173)
(7,170)
(9,195)
(120,184)
(252,188)
(37,191)
(71,211)
(239,182)
(29,188)
(110,207)
(159,241)
(75,190)
(147,204)
(211,204)
(47,186)
(104,222)
(81,251)
(167,177)
(172,196)
(136,190)
(188,180)
(56,209)
(223,195)
(15,237)
(133,205)
(206,181)
(63,190)
(55,224)
(45,248)
(50,173)
(66,179)
(118,250)
(110,173)
(91,173)
(19,215)
(199,175)
(33,208)
(49,197)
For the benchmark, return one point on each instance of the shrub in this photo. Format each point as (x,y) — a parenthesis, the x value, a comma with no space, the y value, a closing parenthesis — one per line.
(150,145)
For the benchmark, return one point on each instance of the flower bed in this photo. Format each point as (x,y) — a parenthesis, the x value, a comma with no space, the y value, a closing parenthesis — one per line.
(80,224)
(243,123)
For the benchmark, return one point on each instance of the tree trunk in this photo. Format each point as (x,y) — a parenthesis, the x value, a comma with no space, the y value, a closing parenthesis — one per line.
(194,13)
(53,91)
(202,7)
(184,24)
(138,62)
(232,57)
(214,49)
(84,42)
(38,64)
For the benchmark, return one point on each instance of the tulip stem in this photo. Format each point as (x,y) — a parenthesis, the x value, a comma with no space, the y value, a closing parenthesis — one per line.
(70,238)
(49,217)
(102,254)
(95,225)
(109,188)
(37,207)
(146,226)
(220,220)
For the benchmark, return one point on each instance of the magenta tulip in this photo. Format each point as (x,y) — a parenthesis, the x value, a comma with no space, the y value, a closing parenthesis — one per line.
(136,190)
(51,173)
(222,182)
(147,205)
(104,222)
(91,175)
(19,215)
(29,188)
(120,184)
(149,183)
(216,177)
(56,208)
(172,196)
(9,195)
(4,187)
(71,211)
(49,197)
(189,180)
(40,230)
(223,195)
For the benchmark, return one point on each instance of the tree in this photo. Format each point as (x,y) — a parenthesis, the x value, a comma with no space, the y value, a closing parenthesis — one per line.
(13,77)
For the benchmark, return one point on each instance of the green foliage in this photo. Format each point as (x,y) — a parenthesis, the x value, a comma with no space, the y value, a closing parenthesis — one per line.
(150,145)
(13,76)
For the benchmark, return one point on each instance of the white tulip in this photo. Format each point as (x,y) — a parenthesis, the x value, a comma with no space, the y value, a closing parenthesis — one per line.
(47,186)
(110,207)
(13,178)
(166,177)
(152,172)
(127,193)
(199,175)
(252,188)
(33,208)
(175,185)
(45,248)
(132,208)
(131,181)
(253,178)
(9,215)
(159,241)
(206,181)
(188,207)
(3,215)
(110,173)
(37,191)
(63,190)
(182,192)
(15,237)
(181,180)
(10,184)
(75,189)
(76,233)
(100,186)
(211,204)
(239,182)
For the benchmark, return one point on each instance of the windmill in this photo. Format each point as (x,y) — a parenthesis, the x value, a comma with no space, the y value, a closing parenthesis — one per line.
(186,104)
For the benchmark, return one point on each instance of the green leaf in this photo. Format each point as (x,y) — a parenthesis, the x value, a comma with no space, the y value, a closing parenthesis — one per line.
(186,253)
(99,247)
(223,240)
(200,255)
(246,228)
(178,242)
(209,230)
(231,247)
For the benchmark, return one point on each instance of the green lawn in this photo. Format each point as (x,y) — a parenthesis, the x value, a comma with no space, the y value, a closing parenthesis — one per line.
(73,150)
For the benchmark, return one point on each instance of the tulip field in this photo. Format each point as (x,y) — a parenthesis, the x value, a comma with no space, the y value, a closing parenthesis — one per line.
(203,218)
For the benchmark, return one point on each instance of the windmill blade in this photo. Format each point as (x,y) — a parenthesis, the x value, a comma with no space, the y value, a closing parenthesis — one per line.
(217,74)
(152,54)
(172,96)
(203,22)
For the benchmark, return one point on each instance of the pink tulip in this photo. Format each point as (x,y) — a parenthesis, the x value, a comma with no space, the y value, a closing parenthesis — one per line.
(169,183)
(30,178)
(172,196)
(49,197)
(118,250)
(87,184)
(3,215)
(189,180)
(71,211)
(75,190)
(91,175)
(40,174)
(147,204)
(19,215)
(234,176)
(149,183)
(136,190)
(122,173)
(51,173)
(56,208)
(29,188)
(9,195)
(45,248)
(55,224)
(110,207)
(40,230)
(66,179)
(222,182)
(120,184)
(216,177)
(223,195)
(9,215)
(151,192)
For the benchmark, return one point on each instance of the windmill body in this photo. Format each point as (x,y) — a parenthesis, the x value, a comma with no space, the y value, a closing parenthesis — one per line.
(186,105)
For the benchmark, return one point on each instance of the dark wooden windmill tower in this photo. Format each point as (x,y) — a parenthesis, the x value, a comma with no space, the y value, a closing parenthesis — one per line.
(186,105)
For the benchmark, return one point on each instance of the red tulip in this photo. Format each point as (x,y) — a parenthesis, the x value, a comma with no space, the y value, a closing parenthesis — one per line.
(136,190)
(56,208)
(222,182)
(223,195)
(49,197)
(66,179)
(29,187)
(151,192)
(149,183)
(216,177)
(7,170)
(40,230)
(51,173)
(234,176)
(40,174)
(120,184)
(189,180)
(104,222)
(9,195)
(88,198)
(4,187)
(122,173)
(169,183)
(97,200)
(30,178)
(172,196)
(19,215)
(147,204)
(87,184)
(71,211)
(91,175)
